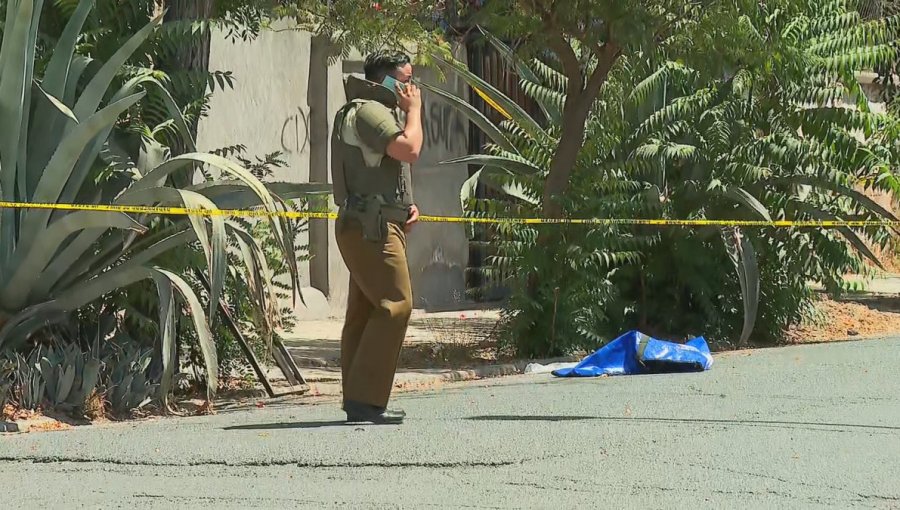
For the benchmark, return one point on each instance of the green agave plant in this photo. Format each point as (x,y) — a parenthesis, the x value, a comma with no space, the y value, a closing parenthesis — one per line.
(7,373)
(774,140)
(57,146)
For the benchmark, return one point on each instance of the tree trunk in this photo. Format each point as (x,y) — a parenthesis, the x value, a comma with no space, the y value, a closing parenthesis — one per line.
(192,57)
(580,98)
(579,101)
(195,56)
(570,144)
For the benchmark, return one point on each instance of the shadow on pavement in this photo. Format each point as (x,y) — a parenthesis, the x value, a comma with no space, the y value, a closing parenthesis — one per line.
(551,418)
(293,425)
(700,421)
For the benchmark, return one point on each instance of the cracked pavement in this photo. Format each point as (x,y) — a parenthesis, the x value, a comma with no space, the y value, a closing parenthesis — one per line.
(800,427)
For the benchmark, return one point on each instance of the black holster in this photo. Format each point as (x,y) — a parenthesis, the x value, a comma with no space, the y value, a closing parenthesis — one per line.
(373,215)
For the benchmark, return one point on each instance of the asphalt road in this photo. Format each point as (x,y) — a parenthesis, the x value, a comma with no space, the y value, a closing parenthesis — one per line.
(805,427)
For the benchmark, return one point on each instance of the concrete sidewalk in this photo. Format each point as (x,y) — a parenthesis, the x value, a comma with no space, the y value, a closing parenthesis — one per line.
(884,285)
(439,348)
(317,343)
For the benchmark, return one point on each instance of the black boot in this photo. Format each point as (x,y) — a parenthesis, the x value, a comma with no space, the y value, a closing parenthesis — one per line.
(357,412)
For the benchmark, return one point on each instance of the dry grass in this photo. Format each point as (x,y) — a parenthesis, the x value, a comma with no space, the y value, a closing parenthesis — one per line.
(10,413)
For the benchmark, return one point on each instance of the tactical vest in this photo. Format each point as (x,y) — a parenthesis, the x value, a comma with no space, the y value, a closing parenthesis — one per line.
(369,186)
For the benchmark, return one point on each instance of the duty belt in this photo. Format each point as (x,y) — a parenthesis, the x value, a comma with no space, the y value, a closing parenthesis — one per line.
(373,213)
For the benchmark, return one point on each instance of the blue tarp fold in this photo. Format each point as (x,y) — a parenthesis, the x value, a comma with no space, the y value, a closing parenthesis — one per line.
(637,353)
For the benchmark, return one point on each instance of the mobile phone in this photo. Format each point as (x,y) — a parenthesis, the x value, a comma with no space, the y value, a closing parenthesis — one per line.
(391,83)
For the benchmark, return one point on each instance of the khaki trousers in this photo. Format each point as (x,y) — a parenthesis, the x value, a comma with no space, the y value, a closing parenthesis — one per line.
(378,310)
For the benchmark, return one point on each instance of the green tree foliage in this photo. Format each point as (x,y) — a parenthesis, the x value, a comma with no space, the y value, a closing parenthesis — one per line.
(367,25)
(585,39)
(786,133)
(178,53)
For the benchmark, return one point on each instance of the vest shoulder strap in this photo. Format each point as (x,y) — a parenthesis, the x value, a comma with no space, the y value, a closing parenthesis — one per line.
(350,135)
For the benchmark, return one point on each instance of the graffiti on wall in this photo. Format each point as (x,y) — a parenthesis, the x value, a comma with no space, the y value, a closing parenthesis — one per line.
(295,132)
(444,127)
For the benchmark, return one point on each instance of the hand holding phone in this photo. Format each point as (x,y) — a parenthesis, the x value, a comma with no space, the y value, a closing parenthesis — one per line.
(408,94)
(409,97)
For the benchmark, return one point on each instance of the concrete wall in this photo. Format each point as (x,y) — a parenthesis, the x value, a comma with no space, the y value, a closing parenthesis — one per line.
(267,110)
(284,99)
(439,252)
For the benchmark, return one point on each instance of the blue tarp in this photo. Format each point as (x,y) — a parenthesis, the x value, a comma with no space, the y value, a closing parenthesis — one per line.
(637,353)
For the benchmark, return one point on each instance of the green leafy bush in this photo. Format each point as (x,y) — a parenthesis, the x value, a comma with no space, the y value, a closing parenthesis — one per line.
(772,139)
(62,375)
(28,385)
(71,376)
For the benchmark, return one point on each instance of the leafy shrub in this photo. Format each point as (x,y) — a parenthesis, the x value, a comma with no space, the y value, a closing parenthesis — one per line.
(70,376)
(241,289)
(28,384)
(772,140)
(61,375)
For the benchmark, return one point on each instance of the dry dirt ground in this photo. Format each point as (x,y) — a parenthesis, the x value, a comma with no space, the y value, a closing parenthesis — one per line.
(865,318)
(470,341)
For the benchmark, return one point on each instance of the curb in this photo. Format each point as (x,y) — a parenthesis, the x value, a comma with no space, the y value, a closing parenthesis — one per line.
(486,372)
(410,380)
(8,427)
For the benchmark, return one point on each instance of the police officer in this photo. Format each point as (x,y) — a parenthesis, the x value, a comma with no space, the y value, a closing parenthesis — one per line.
(372,148)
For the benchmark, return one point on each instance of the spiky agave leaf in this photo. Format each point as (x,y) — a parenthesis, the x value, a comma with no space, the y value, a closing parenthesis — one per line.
(518,114)
(60,262)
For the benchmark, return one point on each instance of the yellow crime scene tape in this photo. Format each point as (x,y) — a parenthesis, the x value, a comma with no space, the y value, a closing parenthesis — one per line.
(493,104)
(261,213)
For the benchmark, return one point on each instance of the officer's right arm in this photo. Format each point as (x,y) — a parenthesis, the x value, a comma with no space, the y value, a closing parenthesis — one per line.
(378,128)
